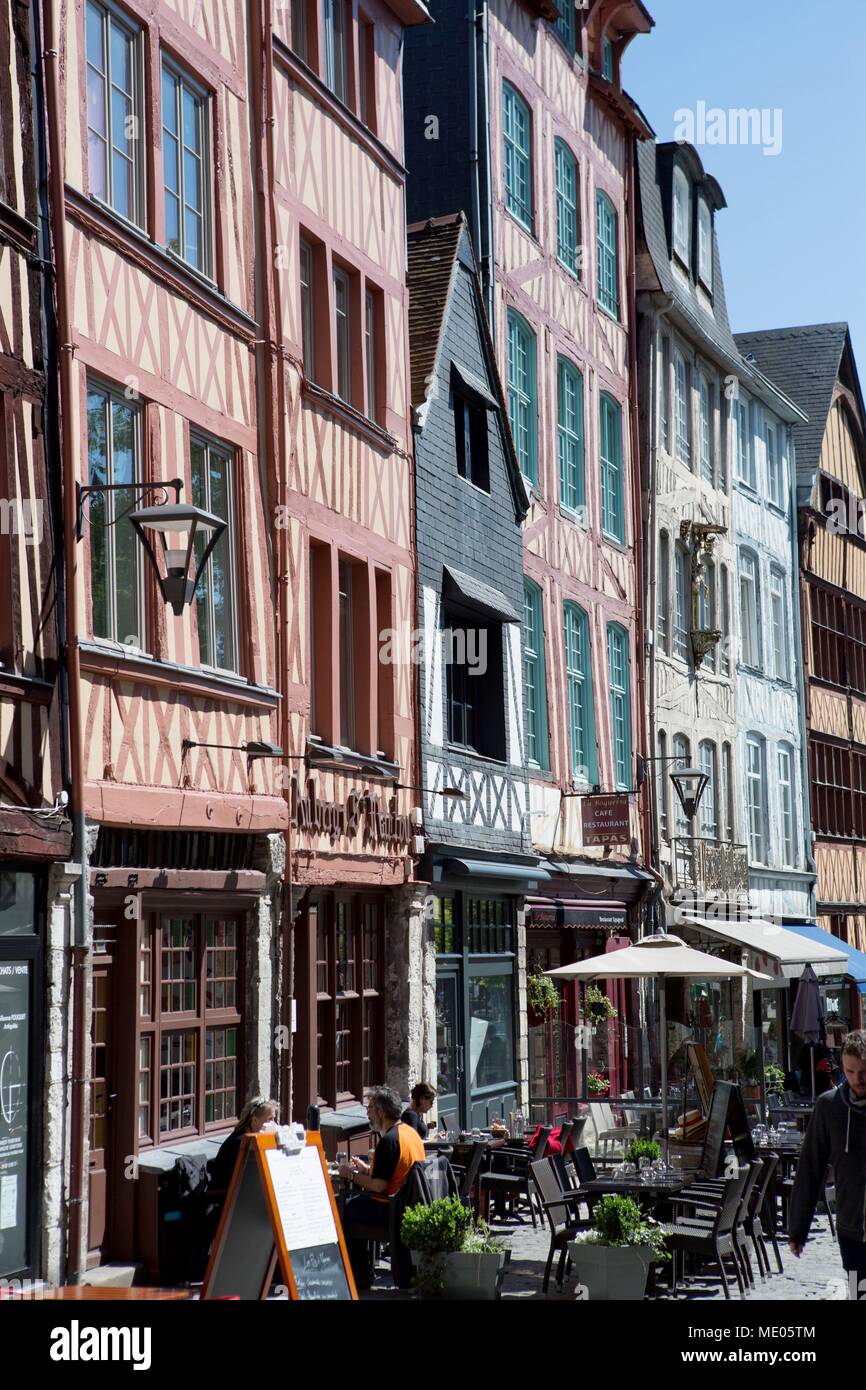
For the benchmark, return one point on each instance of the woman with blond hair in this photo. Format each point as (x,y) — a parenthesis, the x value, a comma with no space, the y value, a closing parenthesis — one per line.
(258,1112)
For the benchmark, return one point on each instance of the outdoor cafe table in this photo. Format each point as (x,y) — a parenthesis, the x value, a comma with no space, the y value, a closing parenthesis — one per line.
(657,1190)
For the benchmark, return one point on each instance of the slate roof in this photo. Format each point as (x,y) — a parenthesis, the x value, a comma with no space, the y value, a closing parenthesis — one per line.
(805,363)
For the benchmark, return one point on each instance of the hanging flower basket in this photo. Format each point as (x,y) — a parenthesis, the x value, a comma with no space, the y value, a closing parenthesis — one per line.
(542,998)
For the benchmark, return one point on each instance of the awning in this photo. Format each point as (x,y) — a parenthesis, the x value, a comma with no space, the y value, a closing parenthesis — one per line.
(769,940)
(569,912)
(579,869)
(856,968)
(465,588)
(489,868)
(474,386)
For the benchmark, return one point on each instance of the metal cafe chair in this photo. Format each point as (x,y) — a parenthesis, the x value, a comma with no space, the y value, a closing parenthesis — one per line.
(510,1176)
(713,1242)
(561,1207)
(705,1204)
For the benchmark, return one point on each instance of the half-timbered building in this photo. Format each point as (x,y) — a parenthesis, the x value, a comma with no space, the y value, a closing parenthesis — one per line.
(521,119)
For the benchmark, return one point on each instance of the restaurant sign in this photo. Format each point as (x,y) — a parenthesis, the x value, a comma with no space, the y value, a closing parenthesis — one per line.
(361,812)
(606,820)
(558,913)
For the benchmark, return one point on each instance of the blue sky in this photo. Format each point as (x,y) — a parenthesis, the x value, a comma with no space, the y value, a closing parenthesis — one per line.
(793,236)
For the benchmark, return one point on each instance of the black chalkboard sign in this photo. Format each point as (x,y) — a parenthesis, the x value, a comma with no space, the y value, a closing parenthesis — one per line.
(280,1206)
(727,1112)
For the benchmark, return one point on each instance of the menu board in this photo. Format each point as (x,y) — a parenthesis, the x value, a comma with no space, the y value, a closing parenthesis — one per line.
(280,1206)
(727,1112)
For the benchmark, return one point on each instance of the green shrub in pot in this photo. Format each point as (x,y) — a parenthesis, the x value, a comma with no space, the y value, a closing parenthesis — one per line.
(453,1253)
(642,1148)
(613,1259)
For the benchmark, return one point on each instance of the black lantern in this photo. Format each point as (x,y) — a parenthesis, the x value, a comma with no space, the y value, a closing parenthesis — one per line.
(689,783)
(186,524)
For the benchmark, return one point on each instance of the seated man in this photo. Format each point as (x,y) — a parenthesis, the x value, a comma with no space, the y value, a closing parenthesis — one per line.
(399,1147)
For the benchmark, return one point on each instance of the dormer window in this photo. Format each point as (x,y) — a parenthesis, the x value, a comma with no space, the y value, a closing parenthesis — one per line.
(607,59)
(681,215)
(705,245)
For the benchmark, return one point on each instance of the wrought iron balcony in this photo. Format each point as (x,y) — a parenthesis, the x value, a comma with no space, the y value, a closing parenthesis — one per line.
(711,865)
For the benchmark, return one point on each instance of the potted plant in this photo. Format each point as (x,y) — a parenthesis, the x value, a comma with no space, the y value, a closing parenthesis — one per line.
(642,1148)
(612,1260)
(774,1079)
(747,1068)
(599,1007)
(542,997)
(453,1254)
(596,1084)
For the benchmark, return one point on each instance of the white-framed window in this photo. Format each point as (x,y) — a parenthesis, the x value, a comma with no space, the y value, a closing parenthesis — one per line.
(114,460)
(787,807)
(728,791)
(665,395)
(308,316)
(682,751)
(745,445)
(724,621)
(756,798)
(662,780)
(705,244)
(682,602)
(682,410)
(335,71)
(750,611)
(707,607)
(343,334)
(663,592)
(682,215)
(775,469)
(709,807)
(370,352)
(115,110)
(186,167)
(706,439)
(779,624)
(215,599)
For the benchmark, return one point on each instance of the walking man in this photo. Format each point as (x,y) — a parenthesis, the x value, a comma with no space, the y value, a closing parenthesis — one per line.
(837,1136)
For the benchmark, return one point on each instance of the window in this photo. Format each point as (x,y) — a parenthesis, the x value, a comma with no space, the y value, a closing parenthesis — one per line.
(370,347)
(855,651)
(343,333)
(828,635)
(832,792)
(534,683)
(522,409)
(334,48)
(705,245)
(662,785)
(665,395)
(113,456)
(607,59)
(756,799)
(745,451)
(566,208)
(682,215)
(682,606)
(517,134)
(470,427)
(612,499)
(709,807)
(706,439)
(367,72)
(345,934)
(682,410)
(775,470)
(750,611)
(300,32)
(474,692)
(787,824)
(308,317)
(350,601)
(211,470)
(707,606)
(565,25)
(620,705)
(347,653)
(725,621)
(186,168)
(581,711)
(189,1024)
(779,624)
(570,435)
(728,790)
(682,751)
(114,112)
(663,590)
(606,233)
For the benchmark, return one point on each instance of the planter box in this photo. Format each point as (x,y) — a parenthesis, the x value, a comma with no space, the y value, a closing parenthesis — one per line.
(470,1276)
(612,1273)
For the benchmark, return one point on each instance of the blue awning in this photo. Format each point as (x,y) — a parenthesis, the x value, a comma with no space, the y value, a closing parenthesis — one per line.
(856,959)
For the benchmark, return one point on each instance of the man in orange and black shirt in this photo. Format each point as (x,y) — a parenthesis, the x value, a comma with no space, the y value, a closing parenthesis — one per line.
(399,1147)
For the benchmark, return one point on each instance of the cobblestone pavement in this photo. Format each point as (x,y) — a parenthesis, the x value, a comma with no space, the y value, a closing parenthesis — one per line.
(817,1275)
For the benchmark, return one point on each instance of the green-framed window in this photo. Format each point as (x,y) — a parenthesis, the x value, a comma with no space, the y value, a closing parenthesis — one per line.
(612,498)
(581,711)
(605,222)
(566,208)
(570,436)
(522,398)
(620,704)
(565,25)
(608,65)
(517,135)
(534,682)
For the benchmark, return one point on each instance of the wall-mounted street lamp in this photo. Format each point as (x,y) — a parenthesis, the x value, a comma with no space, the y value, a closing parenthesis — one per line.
(256,748)
(689,784)
(449,793)
(188,524)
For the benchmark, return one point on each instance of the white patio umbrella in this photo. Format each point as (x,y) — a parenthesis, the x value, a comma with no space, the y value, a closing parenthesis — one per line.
(658,957)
